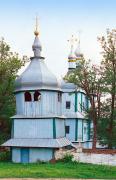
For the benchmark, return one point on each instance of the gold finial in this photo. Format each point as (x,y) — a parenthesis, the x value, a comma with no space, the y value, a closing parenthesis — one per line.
(36,27)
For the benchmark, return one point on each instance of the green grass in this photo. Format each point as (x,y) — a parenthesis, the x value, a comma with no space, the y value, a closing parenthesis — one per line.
(58,170)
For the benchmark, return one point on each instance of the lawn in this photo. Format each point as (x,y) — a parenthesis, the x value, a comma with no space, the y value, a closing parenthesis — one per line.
(57,170)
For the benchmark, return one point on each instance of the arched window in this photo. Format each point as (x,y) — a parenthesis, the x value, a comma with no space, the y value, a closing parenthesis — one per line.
(27,96)
(37,96)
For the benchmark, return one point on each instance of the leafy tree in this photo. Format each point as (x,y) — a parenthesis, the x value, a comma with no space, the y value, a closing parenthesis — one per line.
(99,83)
(89,78)
(10,63)
(108,118)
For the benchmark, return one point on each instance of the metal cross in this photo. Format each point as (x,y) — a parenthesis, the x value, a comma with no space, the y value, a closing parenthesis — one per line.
(36,25)
(72,41)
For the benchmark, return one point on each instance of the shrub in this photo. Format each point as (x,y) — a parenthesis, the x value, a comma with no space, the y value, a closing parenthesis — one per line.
(67,158)
(5,156)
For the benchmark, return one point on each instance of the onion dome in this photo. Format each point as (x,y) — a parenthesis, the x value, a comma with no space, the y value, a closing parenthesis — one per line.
(71,55)
(37,48)
(78,53)
(37,75)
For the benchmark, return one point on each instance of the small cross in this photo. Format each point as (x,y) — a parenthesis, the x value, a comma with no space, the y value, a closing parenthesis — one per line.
(72,40)
(36,25)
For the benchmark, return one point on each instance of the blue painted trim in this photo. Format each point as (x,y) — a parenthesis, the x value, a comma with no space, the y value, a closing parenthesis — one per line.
(54,128)
(89,125)
(82,130)
(12,131)
(22,155)
(81,102)
(11,149)
(65,127)
(45,117)
(53,153)
(76,129)
(76,96)
(30,90)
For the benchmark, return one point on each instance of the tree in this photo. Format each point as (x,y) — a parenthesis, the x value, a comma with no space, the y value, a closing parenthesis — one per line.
(99,83)
(89,78)
(108,64)
(10,63)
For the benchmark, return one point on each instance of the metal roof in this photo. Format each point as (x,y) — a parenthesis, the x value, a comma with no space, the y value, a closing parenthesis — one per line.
(67,87)
(38,117)
(43,142)
(36,76)
(78,115)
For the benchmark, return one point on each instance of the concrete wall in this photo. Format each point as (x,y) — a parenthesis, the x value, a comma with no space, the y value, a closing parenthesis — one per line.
(106,159)
(93,158)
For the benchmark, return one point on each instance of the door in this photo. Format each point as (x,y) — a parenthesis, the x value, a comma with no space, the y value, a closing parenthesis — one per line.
(24,155)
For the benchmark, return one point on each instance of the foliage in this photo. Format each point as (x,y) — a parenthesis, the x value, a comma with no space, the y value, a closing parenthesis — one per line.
(89,78)
(10,63)
(108,65)
(99,84)
(58,170)
(67,158)
(5,156)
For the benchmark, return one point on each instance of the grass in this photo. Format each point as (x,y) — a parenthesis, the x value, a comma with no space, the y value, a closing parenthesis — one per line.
(58,170)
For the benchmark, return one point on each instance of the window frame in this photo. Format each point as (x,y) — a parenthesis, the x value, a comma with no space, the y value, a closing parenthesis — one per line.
(67,129)
(68,104)
(27,96)
(36,97)
(59,97)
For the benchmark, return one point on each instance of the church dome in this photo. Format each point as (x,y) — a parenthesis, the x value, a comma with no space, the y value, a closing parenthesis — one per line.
(36,76)
(67,87)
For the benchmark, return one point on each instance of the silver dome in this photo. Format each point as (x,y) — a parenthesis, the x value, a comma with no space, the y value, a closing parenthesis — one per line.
(36,76)
(67,87)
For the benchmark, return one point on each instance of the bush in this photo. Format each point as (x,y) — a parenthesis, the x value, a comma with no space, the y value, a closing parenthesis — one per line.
(67,158)
(5,156)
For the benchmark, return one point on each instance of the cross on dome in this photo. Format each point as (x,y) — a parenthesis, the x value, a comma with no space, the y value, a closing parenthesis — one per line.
(36,27)
(72,41)
(37,48)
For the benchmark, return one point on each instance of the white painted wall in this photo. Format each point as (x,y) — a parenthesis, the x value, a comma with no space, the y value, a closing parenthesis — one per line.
(105,159)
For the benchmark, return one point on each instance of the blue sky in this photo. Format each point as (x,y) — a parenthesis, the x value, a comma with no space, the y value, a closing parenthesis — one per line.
(58,20)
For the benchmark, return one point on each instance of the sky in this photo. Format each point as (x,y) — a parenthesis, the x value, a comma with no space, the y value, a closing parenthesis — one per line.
(58,20)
